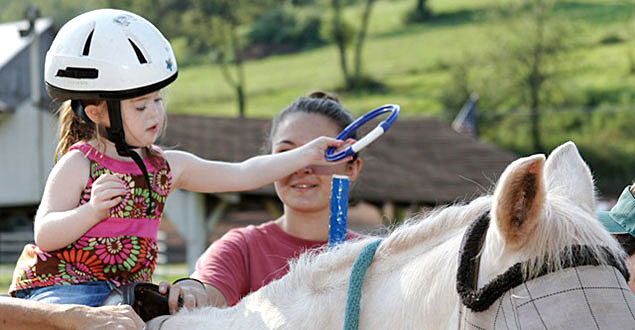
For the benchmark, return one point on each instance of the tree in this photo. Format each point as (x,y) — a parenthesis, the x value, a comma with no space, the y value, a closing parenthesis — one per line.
(420,13)
(212,26)
(164,14)
(528,56)
(343,34)
(631,28)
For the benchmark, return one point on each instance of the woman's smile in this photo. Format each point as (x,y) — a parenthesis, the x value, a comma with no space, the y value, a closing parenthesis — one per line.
(303,186)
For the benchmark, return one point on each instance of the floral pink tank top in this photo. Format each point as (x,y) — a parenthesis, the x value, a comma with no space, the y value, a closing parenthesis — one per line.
(121,248)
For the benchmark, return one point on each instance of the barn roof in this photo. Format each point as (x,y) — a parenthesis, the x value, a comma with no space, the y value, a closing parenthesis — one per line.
(15,84)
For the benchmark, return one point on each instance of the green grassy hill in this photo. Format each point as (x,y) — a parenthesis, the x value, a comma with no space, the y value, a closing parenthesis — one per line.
(414,61)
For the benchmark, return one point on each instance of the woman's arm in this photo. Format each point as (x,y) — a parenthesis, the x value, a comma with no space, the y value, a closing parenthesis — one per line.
(21,314)
(59,221)
(195,174)
(214,296)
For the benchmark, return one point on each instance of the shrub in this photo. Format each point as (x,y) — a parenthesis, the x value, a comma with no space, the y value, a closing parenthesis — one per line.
(285,26)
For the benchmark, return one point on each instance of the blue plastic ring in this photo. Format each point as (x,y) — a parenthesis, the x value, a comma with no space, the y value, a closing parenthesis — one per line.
(370,137)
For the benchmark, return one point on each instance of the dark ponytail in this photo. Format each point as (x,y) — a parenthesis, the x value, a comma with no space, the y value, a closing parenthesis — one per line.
(318,102)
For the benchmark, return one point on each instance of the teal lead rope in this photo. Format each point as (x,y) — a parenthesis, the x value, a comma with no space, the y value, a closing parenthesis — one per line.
(354,292)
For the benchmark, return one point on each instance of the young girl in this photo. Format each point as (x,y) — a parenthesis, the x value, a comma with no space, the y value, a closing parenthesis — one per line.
(97,223)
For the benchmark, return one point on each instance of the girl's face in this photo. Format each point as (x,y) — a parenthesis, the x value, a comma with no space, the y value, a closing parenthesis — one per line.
(143,118)
(308,189)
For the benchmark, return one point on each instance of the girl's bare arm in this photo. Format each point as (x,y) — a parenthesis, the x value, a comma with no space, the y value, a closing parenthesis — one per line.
(59,220)
(195,174)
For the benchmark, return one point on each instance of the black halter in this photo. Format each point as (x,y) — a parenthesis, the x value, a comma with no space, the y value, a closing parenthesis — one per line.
(481,299)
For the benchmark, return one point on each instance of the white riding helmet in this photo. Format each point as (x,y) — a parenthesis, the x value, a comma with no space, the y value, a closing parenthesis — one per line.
(108,54)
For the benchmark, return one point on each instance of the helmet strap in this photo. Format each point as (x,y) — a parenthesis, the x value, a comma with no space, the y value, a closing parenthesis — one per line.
(79,110)
(117,136)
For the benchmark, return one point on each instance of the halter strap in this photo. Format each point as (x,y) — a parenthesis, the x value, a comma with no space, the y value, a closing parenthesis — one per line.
(481,299)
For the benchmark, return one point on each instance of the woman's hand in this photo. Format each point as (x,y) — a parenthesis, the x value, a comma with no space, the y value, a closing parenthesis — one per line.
(106,193)
(191,292)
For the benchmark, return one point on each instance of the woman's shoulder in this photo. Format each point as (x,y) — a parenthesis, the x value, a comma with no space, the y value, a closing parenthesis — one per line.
(251,232)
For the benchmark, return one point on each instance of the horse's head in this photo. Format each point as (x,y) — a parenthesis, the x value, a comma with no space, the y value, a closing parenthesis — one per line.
(540,207)
(544,259)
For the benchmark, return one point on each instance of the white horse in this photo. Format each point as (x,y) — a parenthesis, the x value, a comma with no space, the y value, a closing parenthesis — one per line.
(540,207)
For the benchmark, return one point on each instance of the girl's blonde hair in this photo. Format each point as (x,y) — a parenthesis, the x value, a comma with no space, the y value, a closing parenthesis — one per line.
(72,129)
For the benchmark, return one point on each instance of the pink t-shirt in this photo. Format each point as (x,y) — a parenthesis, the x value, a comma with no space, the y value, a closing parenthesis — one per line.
(246,259)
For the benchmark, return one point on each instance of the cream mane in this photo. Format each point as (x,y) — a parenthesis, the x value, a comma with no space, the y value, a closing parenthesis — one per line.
(421,233)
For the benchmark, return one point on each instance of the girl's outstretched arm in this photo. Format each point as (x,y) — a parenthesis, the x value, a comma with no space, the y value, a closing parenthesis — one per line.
(59,220)
(195,174)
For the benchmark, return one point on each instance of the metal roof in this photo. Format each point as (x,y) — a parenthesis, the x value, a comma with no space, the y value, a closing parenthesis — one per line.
(15,79)
(11,41)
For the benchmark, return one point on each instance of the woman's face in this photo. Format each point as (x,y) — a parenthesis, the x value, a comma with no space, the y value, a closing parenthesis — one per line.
(308,189)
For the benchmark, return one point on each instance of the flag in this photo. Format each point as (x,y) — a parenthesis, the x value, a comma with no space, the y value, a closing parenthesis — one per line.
(465,121)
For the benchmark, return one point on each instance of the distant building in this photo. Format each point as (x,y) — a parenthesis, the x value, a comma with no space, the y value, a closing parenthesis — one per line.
(27,125)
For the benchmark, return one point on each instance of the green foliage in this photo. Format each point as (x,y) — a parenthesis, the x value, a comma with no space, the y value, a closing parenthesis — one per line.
(164,14)
(605,137)
(59,10)
(612,38)
(286,26)
(419,14)
(608,95)
(343,29)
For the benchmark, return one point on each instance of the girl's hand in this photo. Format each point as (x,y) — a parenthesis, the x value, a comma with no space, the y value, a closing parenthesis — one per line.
(315,149)
(106,193)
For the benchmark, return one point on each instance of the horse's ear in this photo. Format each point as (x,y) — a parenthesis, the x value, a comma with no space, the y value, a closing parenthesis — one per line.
(518,199)
(567,175)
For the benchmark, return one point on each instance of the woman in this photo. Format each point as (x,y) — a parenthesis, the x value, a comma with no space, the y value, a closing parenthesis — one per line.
(245,259)
(620,221)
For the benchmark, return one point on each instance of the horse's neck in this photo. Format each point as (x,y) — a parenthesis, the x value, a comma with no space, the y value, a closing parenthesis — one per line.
(417,283)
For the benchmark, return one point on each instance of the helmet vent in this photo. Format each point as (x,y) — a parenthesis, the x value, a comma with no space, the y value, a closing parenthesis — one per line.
(137,51)
(78,73)
(87,43)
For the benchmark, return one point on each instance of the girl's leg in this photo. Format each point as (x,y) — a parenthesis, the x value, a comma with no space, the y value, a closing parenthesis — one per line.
(89,294)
